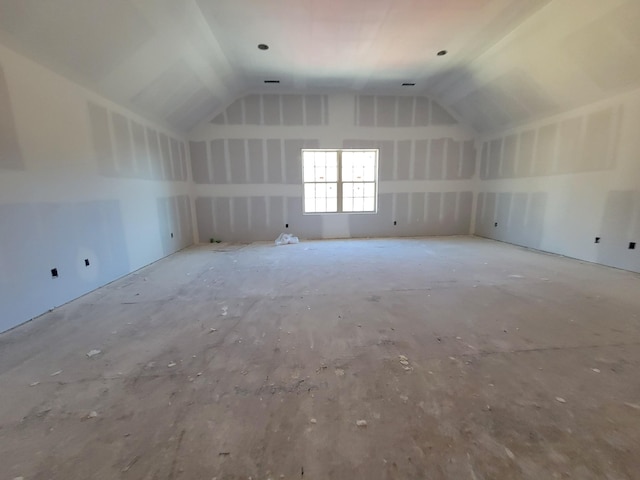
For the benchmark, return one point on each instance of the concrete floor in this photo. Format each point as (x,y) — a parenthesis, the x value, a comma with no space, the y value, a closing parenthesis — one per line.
(234,362)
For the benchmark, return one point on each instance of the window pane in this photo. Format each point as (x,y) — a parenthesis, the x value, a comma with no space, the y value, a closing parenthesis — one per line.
(321,205)
(369,204)
(320,161)
(369,189)
(320,174)
(358,204)
(347,189)
(331,159)
(321,190)
(347,204)
(309,205)
(308,167)
(310,190)
(332,166)
(332,204)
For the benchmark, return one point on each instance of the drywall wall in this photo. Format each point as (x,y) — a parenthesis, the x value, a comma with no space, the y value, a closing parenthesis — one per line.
(81,181)
(568,54)
(559,183)
(247,166)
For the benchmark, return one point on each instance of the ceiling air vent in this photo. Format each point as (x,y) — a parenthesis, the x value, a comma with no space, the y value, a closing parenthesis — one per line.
(272,81)
(408,84)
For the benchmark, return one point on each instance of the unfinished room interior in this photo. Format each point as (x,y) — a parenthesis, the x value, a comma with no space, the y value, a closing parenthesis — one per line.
(319,239)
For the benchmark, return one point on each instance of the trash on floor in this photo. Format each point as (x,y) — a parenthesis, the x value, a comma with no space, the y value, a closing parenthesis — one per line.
(361,423)
(93,353)
(286,238)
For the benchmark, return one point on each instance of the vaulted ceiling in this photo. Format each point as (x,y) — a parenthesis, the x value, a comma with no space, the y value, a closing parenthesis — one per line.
(180,62)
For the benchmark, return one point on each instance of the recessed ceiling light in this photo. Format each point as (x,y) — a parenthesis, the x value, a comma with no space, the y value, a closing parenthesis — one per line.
(263,46)
(408,84)
(442,53)
(272,81)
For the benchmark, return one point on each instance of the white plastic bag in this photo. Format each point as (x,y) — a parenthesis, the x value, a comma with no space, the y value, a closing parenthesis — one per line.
(285,238)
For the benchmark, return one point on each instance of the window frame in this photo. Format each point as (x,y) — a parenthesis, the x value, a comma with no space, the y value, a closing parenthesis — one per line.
(339,182)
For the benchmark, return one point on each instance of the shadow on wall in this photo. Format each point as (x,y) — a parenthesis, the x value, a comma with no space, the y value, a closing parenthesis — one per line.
(512,217)
(10,155)
(37,238)
(620,228)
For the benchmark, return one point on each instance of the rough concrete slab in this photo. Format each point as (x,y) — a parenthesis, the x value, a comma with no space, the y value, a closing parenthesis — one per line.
(467,358)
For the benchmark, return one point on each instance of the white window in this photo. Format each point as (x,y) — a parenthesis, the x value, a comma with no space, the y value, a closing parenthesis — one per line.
(340,181)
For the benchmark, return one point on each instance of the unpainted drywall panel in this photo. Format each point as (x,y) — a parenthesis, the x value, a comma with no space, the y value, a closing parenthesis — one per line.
(314,110)
(10,154)
(404,159)
(292,110)
(422,113)
(436,158)
(234,114)
(237,163)
(271,109)
(154,154)
(453,162)
(509,156)
(166,156)
(385,111)
(274,161)
(219,162)
(293,161)
(199,162)
(405,111)
(421,160)
(255,153)
(526,151)
(124,150)
(468,160)
(366,110)
(439,116)
(204,219)
(142,168)
(252,109)
(600,140)
(176,166)
(101,136)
